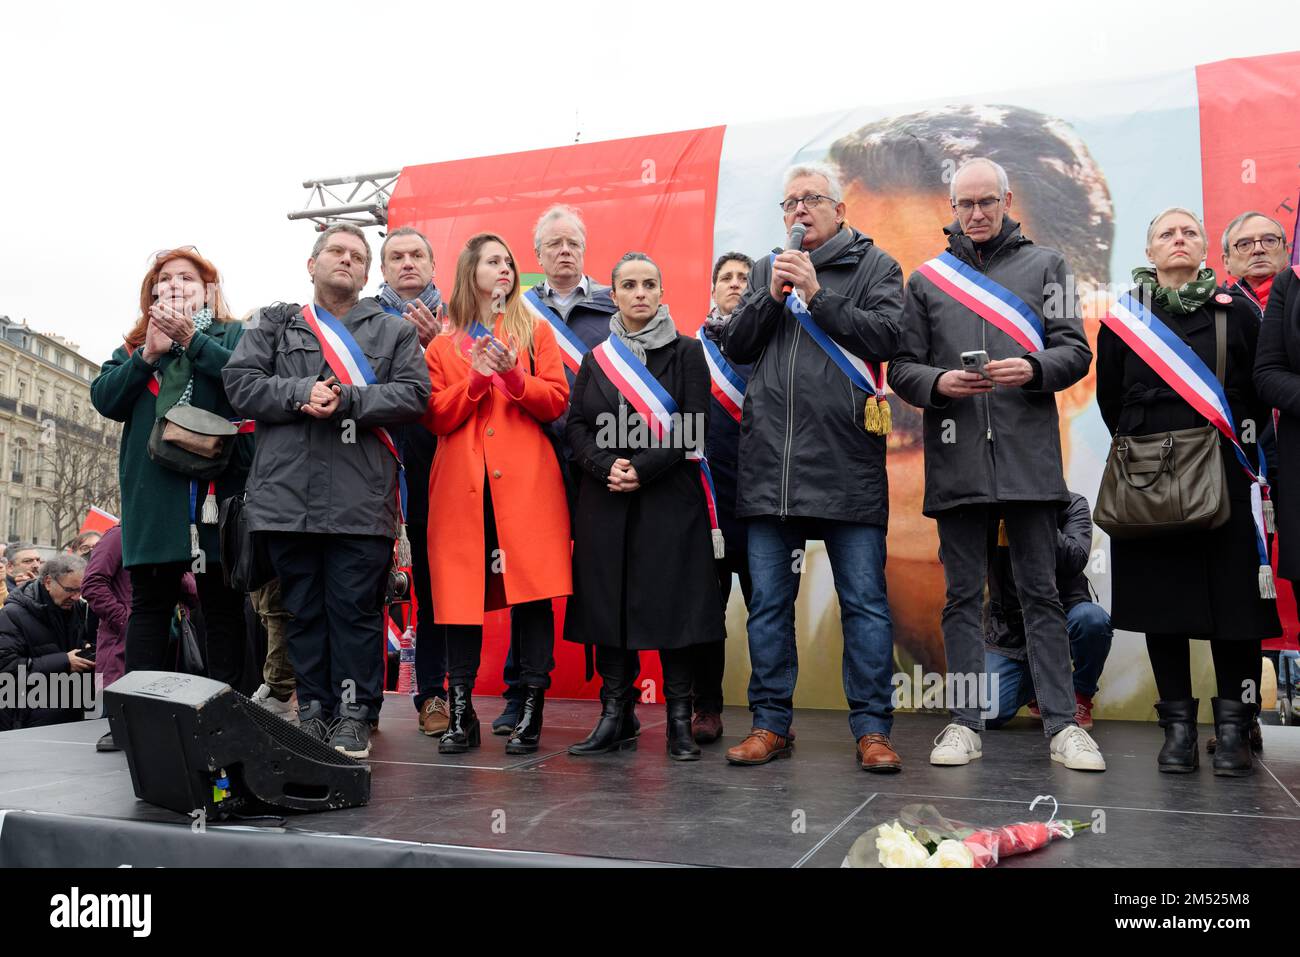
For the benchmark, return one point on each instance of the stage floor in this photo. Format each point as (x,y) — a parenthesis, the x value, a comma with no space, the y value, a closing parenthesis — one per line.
(640,807)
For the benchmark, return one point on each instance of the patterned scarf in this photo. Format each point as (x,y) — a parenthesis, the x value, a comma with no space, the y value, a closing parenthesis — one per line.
(1186,299)
(429,295)
(658,332)
(180,369)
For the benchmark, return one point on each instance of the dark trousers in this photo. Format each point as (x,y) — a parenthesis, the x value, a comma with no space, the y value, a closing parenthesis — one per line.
(619,669)
(333,587)
(709,660)
(1237,666)
(967,537)
(430,637)
(155,593)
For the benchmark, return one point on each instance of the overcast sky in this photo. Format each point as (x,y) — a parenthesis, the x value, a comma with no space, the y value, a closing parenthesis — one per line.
(132,127)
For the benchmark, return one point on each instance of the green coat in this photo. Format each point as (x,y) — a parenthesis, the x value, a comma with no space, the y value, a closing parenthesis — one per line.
(156,500)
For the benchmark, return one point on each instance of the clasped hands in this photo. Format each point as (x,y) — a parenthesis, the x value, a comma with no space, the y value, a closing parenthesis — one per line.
(168,323)
(488,356)
(623,477)
(324,399)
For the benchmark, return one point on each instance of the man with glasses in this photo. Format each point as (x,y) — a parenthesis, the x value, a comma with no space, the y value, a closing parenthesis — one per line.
(817,322)
(43,632)
(990,335)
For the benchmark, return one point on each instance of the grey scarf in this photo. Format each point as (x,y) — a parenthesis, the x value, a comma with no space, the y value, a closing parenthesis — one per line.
(658,332)
(833,248)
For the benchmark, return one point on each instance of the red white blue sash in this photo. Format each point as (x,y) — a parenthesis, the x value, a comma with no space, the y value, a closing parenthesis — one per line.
(644,393)
(572,349)
(1183,371)
(992,302)
(725,382)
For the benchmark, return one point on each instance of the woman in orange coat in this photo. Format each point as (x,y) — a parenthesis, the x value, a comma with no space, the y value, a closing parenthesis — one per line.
(501,537)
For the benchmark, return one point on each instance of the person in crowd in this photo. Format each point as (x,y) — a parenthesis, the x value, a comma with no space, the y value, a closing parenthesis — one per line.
(643,549)
(323,488)
(43,632)
(173,356)
(1086,622)
(24,562)
(816,322)
(1200,584)
(501,533)
(727,384)
(83,544)
(958,304)
(106,587)
(577,308)
(408,291)
(277,692)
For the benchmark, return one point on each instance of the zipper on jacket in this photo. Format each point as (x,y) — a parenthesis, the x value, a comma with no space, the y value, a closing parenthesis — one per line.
(789,417)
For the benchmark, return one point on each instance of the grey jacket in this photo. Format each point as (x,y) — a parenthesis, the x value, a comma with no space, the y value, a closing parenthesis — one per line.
(325,475)
(1004,446)
(804,447)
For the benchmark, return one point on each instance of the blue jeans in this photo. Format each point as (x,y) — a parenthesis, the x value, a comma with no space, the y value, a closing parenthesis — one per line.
(857,556)
(1090,633)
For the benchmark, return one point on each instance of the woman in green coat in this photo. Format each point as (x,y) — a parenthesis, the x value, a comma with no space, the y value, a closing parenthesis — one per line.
(174,356)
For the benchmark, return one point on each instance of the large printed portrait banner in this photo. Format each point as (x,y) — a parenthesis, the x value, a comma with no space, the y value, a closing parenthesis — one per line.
(1089,165)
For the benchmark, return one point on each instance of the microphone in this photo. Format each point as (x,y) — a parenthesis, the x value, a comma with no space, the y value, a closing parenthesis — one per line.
(795,241)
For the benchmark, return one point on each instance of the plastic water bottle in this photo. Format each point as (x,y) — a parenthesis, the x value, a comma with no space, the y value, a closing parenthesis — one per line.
(406,670)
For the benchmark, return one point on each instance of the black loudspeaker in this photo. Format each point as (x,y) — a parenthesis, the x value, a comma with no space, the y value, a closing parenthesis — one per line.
(193,743)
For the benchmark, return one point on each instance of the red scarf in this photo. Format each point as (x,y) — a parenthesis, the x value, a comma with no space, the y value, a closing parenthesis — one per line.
(1259,289)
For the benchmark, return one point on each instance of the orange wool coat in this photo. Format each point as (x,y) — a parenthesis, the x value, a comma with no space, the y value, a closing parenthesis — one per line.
(500,438)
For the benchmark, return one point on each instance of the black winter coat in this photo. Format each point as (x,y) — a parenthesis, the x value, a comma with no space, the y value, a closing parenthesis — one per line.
(37,635)
(1277,379)
(643,573)
(1202,584)
(804,448)
(723,449)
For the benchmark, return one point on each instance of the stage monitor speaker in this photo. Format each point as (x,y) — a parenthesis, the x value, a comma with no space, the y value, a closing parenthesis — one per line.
(193,743)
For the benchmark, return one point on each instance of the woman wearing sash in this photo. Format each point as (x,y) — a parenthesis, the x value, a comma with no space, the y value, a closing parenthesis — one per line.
(1206,584)
(501,533)
(643,552)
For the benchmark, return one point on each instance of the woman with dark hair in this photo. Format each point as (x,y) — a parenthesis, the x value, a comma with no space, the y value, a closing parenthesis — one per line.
(501,534)
(1208,583)
(643,551)
(172,358)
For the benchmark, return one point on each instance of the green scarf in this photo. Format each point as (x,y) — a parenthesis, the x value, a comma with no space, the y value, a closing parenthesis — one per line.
(177,386)
(1187,298)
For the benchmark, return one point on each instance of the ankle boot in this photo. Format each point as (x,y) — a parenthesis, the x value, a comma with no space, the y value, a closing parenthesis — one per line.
(1232,728)
(462,727)
(527,734)
(681,743)
(1178,718)
(613,732)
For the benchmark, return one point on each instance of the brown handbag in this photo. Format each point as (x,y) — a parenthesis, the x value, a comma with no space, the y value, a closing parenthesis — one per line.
(1167,482)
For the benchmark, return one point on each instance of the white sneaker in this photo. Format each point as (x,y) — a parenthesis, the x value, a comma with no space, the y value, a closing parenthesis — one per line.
(288,710)
(1074,747)
(956,744)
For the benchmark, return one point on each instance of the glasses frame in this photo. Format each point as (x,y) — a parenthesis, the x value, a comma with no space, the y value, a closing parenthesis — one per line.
(1262,242)
(810,202)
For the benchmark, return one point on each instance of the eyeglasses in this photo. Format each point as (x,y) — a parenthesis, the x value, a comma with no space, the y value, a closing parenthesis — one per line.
(70,591)
(1268,243)
(985,204)
(809,202)
(173,251)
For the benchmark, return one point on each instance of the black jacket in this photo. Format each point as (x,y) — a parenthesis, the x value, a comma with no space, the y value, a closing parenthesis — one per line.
(36,635)
(1006,622)
(1277,378)
(723,450)
(804,448)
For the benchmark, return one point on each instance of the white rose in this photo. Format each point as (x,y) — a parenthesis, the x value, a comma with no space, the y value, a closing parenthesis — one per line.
(898,848)
(951,854)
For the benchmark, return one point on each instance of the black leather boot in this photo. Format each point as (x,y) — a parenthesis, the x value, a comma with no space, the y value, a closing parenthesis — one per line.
(1232,728)
(462,728)
(527,734)
(681,743)
(1178,718)
(613,732)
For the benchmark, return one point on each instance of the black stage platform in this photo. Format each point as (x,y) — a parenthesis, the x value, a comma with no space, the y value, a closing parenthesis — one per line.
(74,807)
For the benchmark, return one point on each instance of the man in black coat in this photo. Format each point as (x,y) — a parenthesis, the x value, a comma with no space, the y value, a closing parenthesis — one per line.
(810,465)
(42,638)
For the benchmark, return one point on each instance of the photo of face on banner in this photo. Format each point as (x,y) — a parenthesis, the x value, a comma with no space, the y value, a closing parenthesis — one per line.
(896,174)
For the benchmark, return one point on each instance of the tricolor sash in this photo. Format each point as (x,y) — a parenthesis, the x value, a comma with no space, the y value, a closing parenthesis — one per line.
(725,382)
(351,367)
(992,302)
(870,378)
(572,349)
(644,393)
(1183,371)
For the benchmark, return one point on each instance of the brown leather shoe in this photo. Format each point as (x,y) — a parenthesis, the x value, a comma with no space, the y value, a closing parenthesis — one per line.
(875,753)
(759,747)
(707,727)
(434,716)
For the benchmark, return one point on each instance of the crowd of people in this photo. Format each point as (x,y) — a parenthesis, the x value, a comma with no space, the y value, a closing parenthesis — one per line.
(513,447)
